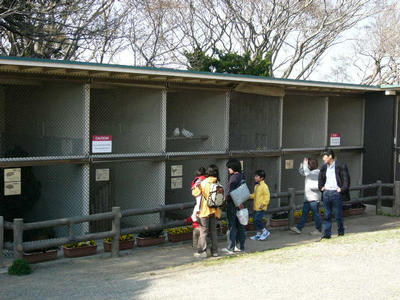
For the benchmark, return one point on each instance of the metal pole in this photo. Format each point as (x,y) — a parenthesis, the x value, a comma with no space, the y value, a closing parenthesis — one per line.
(1,240)
(116,228)
(292,205)
(18,234)
(396,202)
(379,197)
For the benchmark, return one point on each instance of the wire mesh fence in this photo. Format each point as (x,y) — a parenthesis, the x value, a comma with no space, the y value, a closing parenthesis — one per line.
(141,147)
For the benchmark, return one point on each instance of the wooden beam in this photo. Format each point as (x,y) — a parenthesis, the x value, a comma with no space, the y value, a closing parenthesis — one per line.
(9,68)
(158,78)
(192,81)
(78,72)
(260,90)
(99,73)
(32,69)
(56,71)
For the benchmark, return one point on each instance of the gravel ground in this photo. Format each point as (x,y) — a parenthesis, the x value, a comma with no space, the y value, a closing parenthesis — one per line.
(362,266)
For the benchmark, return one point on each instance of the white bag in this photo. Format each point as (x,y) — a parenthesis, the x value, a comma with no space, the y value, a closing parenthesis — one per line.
(243,216)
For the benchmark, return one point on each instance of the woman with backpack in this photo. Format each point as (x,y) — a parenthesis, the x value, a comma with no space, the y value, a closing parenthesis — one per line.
(208,215)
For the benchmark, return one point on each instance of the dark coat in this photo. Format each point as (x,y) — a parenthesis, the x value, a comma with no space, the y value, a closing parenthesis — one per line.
(342,179)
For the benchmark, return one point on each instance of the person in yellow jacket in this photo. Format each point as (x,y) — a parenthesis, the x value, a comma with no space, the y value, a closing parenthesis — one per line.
(261,198)
(208,215)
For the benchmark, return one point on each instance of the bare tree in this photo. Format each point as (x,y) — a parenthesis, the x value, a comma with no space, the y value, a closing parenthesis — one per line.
(378,50)
(295,33)
(63,29)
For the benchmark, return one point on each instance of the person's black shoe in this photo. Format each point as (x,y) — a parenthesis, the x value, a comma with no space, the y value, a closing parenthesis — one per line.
(324,238)
(341,234)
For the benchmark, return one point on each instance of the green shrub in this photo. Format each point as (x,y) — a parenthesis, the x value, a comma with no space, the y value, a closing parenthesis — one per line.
(19,267)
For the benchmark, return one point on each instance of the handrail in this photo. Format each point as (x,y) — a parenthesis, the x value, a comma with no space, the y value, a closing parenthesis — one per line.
(18,226)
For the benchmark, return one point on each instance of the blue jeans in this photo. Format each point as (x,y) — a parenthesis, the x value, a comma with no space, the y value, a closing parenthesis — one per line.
(307,206)
(333,203)
(236,230)
(258,219)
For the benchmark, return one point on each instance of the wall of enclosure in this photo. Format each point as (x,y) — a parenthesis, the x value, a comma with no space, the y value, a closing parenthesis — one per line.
(157,138)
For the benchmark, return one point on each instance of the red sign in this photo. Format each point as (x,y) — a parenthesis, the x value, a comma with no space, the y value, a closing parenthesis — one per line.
(102,138)
(101,144)
(335,139)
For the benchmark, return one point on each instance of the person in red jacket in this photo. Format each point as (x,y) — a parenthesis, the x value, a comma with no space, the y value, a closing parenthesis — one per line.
(196,231)
(194,218)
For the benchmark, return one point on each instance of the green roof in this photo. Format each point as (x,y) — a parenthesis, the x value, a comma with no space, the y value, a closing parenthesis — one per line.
(178,71)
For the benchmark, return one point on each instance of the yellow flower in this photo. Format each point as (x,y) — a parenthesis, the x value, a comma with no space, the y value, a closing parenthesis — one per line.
(180,230)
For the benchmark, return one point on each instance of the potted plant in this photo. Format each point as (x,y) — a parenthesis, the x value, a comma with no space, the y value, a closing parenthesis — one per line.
(181,233)
(357,209)
(80,249)
(150,238)
(251,227)
(279,219)
(40,255)
(224,226)
(299,213)
(126,241)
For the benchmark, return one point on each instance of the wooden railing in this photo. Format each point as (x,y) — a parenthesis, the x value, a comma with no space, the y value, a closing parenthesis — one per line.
(18,246)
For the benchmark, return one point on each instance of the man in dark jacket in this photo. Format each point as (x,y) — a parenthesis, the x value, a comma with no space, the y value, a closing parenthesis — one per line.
(334,183)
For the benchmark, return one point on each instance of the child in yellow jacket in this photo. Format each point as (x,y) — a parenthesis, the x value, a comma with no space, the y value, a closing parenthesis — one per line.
(261,198)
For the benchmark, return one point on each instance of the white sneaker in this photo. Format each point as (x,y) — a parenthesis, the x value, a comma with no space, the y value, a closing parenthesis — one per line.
(264,235)
(256,237)
(295,229)
(316,232)
(200,255)
(227,251)
(237,249)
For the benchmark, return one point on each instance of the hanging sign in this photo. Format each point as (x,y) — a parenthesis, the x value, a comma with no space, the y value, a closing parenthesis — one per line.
(12,188)
(176,170)
(11,175)
(102,144)
(176,183)
(102,174)
(289,164)
(12,182)
(335,139)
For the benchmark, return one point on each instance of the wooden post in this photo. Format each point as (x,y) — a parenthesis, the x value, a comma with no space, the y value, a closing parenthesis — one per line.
(1,240)
(162,217)
(379,198)
(292,205)
(116,228)
(18,234)
(396,202)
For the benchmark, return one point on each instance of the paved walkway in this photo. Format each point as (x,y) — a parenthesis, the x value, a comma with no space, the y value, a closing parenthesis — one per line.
(100,277)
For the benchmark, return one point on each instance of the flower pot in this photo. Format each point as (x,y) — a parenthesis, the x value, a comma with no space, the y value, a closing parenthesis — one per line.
(278,222)
(149,241)
(123,245)
(186,236)
(357,211)
(250,227)
(223,229)
(298,218)
(79,251)
(35,257)
(346,212)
